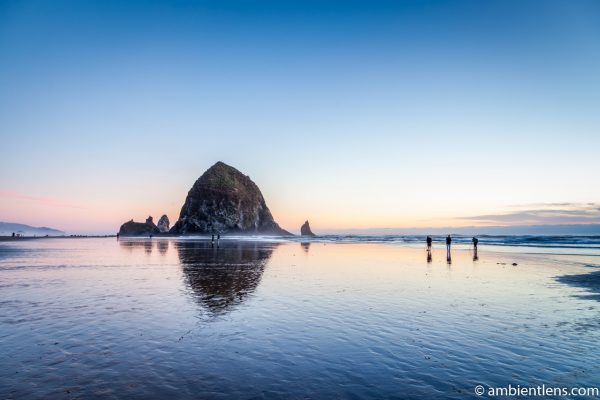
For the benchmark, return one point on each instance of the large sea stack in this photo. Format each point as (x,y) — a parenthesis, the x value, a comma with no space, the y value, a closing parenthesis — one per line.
(223,200)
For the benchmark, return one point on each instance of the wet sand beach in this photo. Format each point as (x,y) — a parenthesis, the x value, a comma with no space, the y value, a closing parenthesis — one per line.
(151,319)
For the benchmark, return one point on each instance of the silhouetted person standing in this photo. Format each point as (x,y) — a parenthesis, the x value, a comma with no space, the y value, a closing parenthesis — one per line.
(475,243)
(448,244)
(429,240)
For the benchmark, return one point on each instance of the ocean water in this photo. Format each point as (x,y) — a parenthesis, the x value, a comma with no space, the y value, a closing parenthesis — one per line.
(580,244)
(334,317)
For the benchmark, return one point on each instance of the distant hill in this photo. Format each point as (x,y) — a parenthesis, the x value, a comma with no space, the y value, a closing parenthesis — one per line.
(7,229)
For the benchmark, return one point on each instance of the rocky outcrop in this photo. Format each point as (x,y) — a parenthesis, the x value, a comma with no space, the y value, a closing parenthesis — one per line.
(305,230)
(163,224)
(132,228)
(223,200)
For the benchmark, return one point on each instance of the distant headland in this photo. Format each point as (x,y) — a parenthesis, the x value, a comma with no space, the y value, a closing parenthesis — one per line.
(14,229)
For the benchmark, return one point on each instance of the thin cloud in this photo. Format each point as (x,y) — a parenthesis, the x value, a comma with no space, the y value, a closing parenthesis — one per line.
(565,205)
(41,200)
(543,214)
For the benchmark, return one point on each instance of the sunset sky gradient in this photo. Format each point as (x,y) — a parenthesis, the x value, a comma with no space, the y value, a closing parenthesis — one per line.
(349,114)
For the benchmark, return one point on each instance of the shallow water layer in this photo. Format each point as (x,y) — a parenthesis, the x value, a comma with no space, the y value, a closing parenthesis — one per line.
(153,319)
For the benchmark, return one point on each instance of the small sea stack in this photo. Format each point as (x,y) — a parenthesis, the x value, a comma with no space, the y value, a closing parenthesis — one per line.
(305,230)
(163,224)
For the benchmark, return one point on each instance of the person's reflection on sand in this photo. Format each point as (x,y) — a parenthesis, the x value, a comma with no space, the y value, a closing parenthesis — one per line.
(429,258)
(305,246)
(449,258)
(222,278)
(475,256)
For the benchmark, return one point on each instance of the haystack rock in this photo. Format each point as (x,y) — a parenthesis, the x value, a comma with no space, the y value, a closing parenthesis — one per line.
(132,228)
(224,200)
(163,224)
(305,230)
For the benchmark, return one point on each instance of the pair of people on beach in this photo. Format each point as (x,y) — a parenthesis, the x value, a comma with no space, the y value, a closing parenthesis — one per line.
(212,240)
(430,241)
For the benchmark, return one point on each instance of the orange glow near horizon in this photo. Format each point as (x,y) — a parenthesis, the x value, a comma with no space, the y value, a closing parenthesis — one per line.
(102,217)
(95,217)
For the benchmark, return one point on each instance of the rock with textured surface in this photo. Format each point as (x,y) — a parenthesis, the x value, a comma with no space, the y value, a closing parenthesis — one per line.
(132,228)
(223,200)
(305,230)
(163,224)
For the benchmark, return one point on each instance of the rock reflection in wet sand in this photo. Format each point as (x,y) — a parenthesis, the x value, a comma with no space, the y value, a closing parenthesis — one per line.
(221,278)
(132,245)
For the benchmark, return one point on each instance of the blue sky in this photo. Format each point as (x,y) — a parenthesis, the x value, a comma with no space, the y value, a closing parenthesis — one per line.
(350,114)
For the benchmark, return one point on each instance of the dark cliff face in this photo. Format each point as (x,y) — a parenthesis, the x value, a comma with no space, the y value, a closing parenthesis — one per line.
(138,228)
(224,200)
(305,230)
